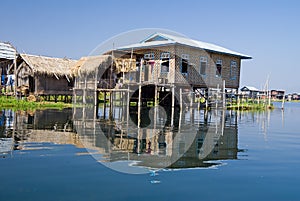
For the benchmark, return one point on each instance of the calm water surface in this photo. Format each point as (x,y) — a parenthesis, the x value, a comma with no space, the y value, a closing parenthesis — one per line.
(255,158)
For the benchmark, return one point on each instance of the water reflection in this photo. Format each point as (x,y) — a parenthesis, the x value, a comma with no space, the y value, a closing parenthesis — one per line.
(51,126)
(197,139)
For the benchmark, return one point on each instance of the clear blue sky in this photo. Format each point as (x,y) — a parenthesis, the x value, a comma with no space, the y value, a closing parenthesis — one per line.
(268,30)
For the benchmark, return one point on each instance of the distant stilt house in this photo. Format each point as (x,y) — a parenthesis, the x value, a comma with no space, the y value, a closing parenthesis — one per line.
(44,76)
(250,92)
(277,94)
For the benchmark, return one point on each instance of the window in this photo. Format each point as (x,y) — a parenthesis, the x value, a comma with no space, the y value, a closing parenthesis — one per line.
(184,63)
(219,68)
(233,70)
(149,56)
(165,62)
(203,65)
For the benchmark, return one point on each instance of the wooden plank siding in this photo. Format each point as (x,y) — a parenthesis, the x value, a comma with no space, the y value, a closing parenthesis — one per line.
(193,76)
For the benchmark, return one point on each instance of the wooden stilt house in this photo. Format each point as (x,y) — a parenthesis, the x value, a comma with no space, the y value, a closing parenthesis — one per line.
(44,76)
(170,59)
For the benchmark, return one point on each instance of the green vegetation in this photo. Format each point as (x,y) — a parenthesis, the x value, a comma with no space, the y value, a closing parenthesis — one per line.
(23,104)
(249,106)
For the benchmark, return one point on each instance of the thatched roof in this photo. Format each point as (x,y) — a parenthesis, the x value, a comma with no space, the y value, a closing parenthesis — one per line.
(88,65)
(48,65)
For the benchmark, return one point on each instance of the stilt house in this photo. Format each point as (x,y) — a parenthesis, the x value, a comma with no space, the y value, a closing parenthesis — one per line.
(42,76)
(181,61)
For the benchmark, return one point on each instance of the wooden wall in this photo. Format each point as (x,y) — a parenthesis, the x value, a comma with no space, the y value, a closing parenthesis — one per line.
(193,76)
(50,85)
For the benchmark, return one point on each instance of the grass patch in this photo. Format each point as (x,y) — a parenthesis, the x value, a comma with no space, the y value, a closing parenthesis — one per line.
(22,104)
(249,106)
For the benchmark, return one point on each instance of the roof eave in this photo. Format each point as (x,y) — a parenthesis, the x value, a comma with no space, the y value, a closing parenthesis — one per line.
(146,47)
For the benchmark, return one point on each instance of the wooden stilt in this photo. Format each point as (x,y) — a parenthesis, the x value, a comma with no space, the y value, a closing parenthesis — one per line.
(97,104)
(111,105)
(191,99)
(191,106)
(140,95)
(155,96)
(217,98)
(282,103)
(139,105)
(127,106)
(104,105)
(206,99)
(173,105)
(224,95)
(181,101)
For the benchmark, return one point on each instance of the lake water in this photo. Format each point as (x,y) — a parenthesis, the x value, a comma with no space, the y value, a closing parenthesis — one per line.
(220,155)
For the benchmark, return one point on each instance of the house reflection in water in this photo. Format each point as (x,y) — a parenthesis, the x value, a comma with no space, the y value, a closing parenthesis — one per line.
(52,126)
(195,141)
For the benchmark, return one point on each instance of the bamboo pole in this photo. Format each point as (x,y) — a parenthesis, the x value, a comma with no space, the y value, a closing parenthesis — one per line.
(218,88)
(283,99)
(15,73)
(140,95)
(127,106)
(191,99)
(206,100)
(104,105)
(110,105)
(224,95)
(173,105)
(191,106)
(155,96)
(181,101)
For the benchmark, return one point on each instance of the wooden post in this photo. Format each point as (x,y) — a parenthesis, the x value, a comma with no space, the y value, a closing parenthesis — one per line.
(95,89)
(269,98)
(104,105)
(224,95)
(217,96)
(173,105)
(181,101)
(191,99)
(181,109)
(15,72)
(140,95)
(223,122)
(111,105)
(127,106)
(282,103)
(97,104)
(155,96)
(238,99)
(84,91)
(191,106)
(206,99)
(199,99)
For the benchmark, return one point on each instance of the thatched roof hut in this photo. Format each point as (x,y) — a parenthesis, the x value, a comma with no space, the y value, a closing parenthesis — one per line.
(89,65)
(50,66)
(42,75)
(94,72)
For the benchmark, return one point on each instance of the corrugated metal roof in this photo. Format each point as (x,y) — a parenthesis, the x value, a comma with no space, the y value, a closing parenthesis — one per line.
(250,88)
(160,39)
(7,51)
